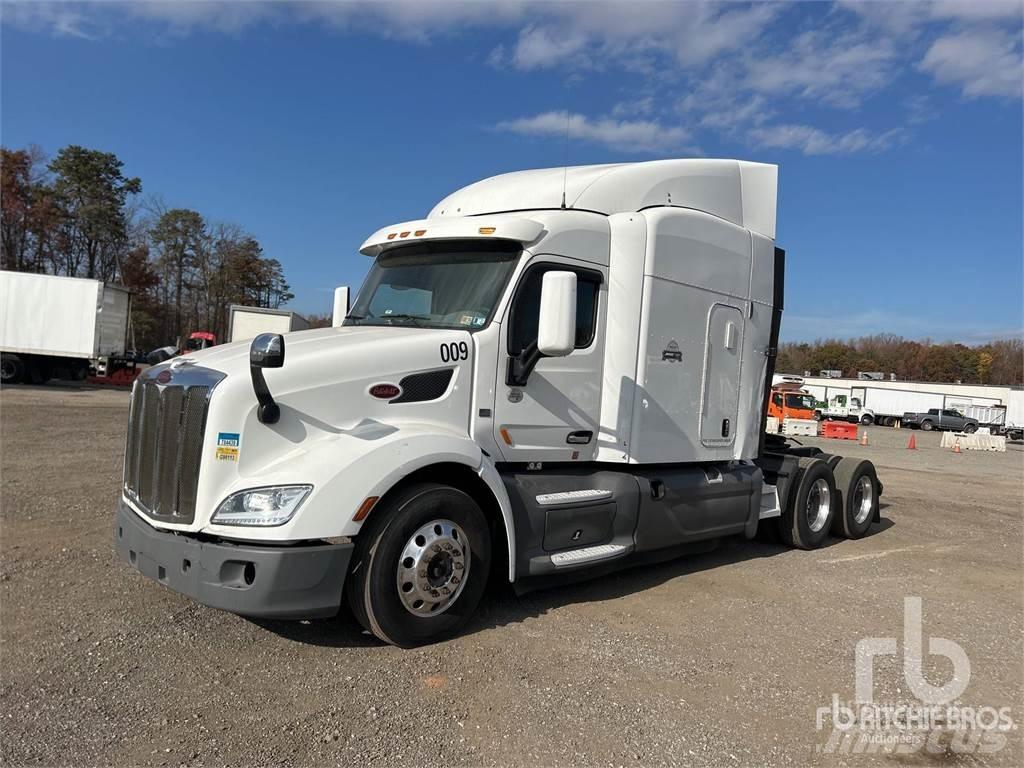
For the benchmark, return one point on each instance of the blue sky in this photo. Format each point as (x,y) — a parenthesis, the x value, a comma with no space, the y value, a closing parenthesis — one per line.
(897,126)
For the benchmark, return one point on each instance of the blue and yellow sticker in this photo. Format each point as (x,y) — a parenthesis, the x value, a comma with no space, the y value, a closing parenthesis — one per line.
(228,444)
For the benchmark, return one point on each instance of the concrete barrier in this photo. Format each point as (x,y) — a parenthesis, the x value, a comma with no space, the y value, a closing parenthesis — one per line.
(804,427)
(975,442)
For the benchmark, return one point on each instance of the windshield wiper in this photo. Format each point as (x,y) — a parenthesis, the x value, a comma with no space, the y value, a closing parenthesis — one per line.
(417,319)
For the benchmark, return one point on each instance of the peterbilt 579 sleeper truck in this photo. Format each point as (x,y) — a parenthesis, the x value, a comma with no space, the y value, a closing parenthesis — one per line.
(556,374)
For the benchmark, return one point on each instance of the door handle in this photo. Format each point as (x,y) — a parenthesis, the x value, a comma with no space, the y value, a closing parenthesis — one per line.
(582,437)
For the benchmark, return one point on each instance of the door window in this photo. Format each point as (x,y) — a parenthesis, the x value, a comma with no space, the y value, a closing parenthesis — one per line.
(526,307)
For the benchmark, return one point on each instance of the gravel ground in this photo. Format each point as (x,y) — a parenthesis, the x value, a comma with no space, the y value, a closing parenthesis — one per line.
(717,659)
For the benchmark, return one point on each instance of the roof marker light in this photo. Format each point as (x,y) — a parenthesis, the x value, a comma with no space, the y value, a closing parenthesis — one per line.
(487,230)
(391,235)
(420,232)
(404,234)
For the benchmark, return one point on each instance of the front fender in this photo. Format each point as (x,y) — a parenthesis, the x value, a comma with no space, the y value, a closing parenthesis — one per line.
(346,468)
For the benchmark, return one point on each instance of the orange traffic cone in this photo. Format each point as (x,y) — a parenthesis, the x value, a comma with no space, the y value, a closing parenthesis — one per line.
(912,442)
(864,437)
(956,447)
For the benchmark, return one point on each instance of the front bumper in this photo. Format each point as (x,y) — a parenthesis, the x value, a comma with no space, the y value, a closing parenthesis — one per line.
(286,582)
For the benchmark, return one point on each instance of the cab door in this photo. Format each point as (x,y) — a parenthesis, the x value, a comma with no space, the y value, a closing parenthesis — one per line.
(553,416)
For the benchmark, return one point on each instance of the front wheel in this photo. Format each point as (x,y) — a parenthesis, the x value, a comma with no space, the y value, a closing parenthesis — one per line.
(420,566)
(927,426)
(867,419)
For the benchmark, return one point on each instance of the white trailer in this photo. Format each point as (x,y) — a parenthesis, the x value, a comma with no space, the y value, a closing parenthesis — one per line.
(556,374)
(245,323)
(885,402)
(1013,422)
(52,325)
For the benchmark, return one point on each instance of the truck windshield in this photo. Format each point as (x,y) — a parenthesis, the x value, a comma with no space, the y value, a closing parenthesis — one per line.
(800,401)
(436,285)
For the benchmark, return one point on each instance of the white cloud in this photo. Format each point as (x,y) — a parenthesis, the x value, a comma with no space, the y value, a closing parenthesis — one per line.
(634,107)
(540,47)
(623,135)
(980,62)
(734,113)
(839,69)
(813,141)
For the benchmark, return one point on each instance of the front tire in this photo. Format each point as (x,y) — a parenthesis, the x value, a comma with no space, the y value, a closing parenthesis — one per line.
(856,497)
(927,426)
(867,419)
(420,566)
(806,520)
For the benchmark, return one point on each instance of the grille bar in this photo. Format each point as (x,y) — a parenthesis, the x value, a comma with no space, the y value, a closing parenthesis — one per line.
(163,453)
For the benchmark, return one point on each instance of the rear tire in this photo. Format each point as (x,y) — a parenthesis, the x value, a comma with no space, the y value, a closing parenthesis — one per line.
(12,369)
(38,371)
(806,520)
(410,584)
(856,497)
(970,429)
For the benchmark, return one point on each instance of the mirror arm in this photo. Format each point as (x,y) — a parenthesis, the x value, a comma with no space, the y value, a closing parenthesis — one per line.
(520,367)
(268,411)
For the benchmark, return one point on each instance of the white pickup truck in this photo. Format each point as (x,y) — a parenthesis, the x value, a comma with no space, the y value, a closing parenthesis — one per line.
(556,374)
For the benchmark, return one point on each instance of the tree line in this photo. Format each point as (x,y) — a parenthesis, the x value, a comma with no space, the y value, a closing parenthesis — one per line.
(996,362)
(78,215)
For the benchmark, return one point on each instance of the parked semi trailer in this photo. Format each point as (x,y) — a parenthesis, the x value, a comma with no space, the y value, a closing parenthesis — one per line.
(245,323)
(59,326)
(885,402)
(556,374)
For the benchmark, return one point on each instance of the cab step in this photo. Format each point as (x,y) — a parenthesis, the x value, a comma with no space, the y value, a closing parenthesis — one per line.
(587,555)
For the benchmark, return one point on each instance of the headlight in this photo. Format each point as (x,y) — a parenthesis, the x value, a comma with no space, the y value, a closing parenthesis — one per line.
(274,505)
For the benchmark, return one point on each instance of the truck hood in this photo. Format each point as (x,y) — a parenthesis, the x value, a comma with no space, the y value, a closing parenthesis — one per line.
(328,415)
(234,358)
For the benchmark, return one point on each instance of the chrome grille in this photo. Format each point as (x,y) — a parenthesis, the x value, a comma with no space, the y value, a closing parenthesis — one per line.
(163,454)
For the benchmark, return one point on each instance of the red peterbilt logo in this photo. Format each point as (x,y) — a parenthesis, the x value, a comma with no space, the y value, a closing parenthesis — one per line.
(164,377)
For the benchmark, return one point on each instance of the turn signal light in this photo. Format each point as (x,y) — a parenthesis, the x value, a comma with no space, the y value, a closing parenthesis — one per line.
(364,508)
(505,436)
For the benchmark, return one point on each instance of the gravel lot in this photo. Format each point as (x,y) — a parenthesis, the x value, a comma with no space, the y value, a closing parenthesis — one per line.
(718,659)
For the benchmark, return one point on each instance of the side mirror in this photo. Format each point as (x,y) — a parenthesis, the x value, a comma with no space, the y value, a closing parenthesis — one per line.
(340,305)
(266,351)
(556,330)
(556,327)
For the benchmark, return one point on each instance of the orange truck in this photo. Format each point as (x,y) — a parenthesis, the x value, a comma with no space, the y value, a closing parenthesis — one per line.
(789,401)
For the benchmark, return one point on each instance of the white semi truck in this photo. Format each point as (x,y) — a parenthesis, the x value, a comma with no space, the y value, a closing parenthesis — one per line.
(59,326)
(556,374)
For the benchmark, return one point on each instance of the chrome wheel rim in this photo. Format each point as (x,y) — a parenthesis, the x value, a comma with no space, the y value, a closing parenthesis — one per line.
(433,568)
(819,503)
(863,499)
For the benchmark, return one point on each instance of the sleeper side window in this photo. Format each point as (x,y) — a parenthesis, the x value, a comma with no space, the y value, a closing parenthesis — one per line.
(526,306)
